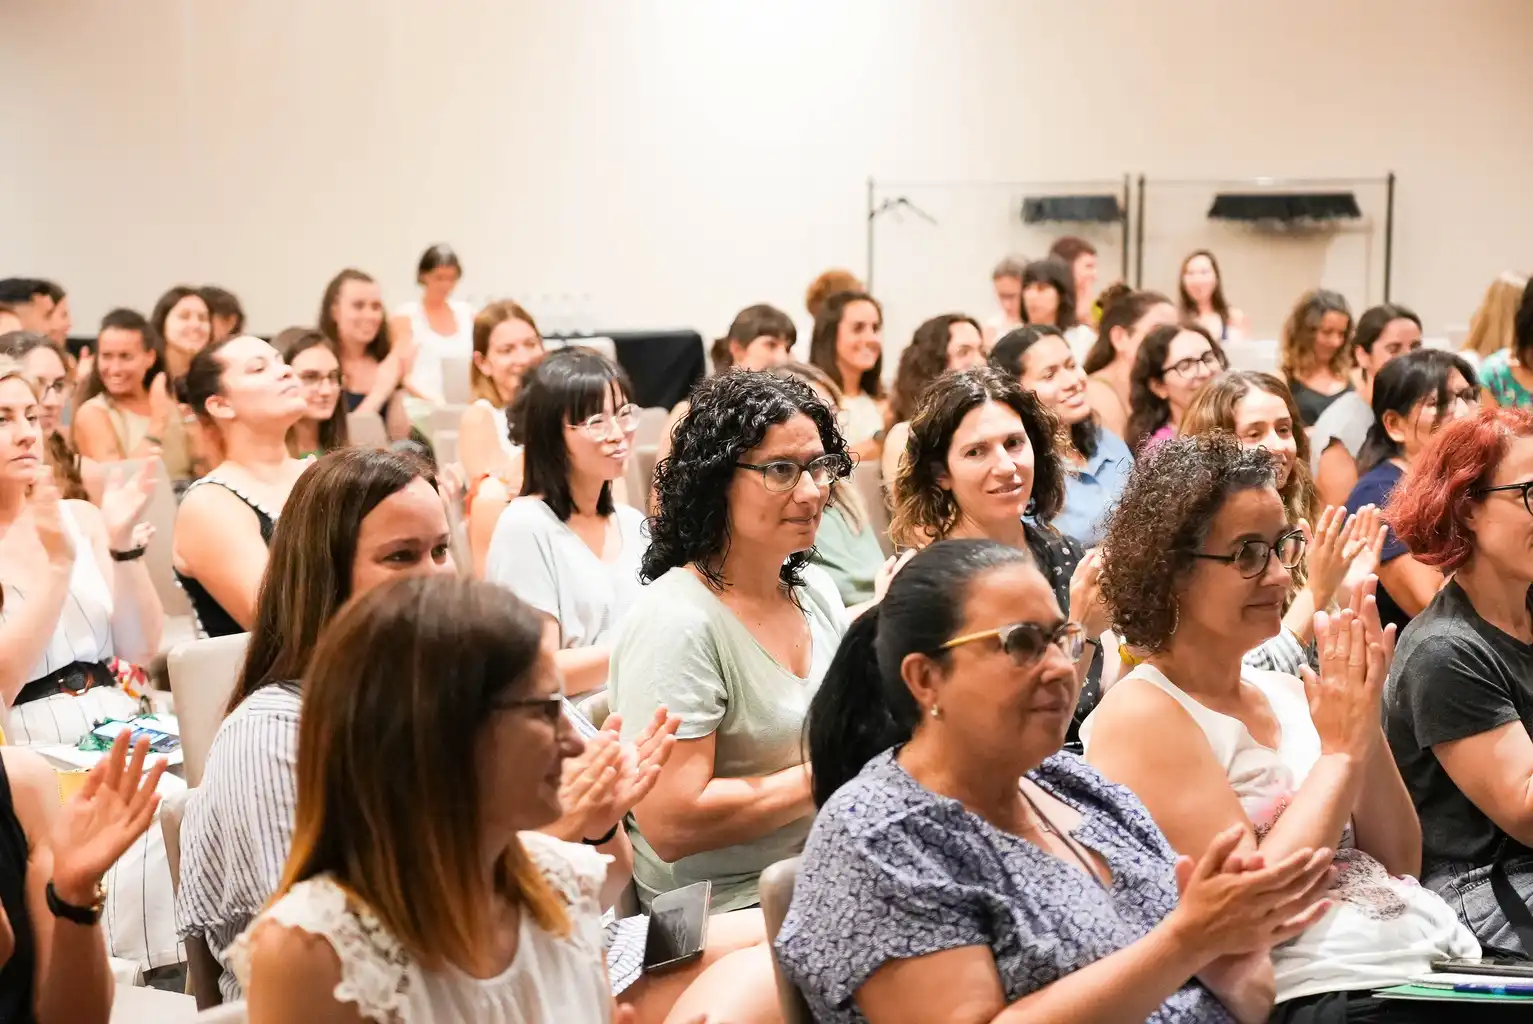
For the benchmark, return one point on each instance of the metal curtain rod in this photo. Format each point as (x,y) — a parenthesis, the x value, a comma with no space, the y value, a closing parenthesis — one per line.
(1113,183)
(1267,182)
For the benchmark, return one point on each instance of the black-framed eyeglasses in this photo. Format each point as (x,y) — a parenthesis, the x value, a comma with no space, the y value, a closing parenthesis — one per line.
(599,427)
(1027,642)
(550,709)
(60,388)
(313,378)
(1250,559)
(784,474)
(1185,368)
(1526,487)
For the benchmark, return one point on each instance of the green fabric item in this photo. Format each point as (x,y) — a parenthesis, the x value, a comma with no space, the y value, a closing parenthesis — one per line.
(851,559)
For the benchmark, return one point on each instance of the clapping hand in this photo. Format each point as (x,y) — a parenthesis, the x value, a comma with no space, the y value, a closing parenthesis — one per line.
(1354,662)
(98,824)
(48,520)
(1086,604)
(123,499)
(1363,553)
(610,777)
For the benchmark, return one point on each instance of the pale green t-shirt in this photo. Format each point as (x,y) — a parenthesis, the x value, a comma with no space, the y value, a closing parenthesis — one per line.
(680,646)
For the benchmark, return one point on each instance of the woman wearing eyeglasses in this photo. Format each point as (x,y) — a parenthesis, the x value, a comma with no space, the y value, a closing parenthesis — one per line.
(322,429)
(1170,369)
(1458,709)
(1414,396)
(961,861)
(733,633)
(565,546)
(1200,552)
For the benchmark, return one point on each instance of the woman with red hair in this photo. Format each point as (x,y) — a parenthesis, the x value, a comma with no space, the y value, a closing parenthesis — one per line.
(1458,708)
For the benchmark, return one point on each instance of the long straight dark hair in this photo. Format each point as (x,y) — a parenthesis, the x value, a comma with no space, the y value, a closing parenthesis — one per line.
(822,342)
(1008,356)
(332,432)
(565,388)
(1403,383)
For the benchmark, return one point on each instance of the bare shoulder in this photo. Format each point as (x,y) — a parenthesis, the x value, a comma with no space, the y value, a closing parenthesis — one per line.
(293,975)
(476,417)
(1134,707)
(34,790)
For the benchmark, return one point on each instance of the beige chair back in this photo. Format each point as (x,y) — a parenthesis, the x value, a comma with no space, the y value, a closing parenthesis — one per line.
(777,884)
(651,426)
(444,417)
(160,512)
(444,443)
(366,430)
(867,478)
(203,674)
(230,1013)
(202,970)
(456,382)
(596,707)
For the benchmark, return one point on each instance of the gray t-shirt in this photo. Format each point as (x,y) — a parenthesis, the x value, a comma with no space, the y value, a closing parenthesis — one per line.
(1345,420)
(542,561)
(682,647)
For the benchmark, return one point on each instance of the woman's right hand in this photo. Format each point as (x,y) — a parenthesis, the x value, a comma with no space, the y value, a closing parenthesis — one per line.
(161,406)
(48,520)
(1344,696)
(1327,560)
(1234,904)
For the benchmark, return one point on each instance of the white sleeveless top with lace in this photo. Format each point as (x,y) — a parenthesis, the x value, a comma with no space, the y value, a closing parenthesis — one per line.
(552,980)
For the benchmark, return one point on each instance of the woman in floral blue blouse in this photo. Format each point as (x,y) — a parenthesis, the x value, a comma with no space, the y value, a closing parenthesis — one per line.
(963,869)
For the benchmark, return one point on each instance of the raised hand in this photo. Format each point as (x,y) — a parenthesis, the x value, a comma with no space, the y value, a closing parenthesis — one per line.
(1344,697)
(98,824)
(1363,552)
(48,520)
(1086,604)
(588,787)
(1326,559)
(161,405)
(123,500)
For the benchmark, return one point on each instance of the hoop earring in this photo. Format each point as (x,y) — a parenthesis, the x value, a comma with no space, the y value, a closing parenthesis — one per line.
(1176,616)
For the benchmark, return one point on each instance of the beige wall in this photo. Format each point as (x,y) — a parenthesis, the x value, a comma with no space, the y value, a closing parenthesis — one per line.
(657,162)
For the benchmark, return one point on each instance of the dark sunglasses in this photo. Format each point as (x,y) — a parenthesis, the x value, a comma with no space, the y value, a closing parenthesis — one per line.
(1027,642)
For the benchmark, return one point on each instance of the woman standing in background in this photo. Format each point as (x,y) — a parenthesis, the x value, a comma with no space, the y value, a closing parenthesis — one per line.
(436,325)
(373,369)
(1201,289)
(1314,354)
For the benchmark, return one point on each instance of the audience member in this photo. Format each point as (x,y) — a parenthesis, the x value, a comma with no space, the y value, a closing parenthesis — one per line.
(373,368)
(436,325)
(30,300)
(460,915)
(1006,278)
(1096,460)
(1458,707)
(848,345)
(10,322)
(507,345)
(182,320)
(1313,351)
(1048,294)
(1336,439)
(960,859)
(52,862)
(48,364)
(59,319)
(948,342)
(1414,396)
(322,428)
(249,399)
(1200,287)
(1492,326)
(125,409)
(1173,364)
(1081,257)
(565,546)
(1200,552)
(732,633)
(226,317)
(1127,316)
(1506,372)
(821,288)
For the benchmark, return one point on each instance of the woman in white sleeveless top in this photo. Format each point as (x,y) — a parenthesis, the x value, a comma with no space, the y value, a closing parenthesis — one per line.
(460,915)
(1199,553)
(438,324)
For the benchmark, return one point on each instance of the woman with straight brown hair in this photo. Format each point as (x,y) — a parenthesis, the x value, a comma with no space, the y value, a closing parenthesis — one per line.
(459,914)
(848,344)
(507,344)
(373,369)
(323,427)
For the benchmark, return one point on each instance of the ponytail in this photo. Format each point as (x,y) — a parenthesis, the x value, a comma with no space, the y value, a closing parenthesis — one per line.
(850,719)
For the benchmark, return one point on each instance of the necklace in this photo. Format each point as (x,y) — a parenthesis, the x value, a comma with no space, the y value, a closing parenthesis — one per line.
(1050,828)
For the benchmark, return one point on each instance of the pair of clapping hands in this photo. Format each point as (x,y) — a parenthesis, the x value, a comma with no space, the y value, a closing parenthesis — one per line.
(609,778)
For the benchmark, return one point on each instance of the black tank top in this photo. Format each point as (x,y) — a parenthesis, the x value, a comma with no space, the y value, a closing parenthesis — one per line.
(19,974)
(212,620)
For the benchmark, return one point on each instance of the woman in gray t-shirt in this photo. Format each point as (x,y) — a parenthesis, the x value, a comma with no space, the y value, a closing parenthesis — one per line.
(732,634)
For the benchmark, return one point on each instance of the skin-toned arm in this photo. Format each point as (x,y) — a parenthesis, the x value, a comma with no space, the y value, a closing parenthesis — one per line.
(894,451)
(1337,474)
(1108,406)
(479,447)
(138,618)
(396,419)
(1494,769)
(26,630)
(663,446)
(218,543)
(293,975)
(1411,584)
(94,437)
(490,501)
(584,668)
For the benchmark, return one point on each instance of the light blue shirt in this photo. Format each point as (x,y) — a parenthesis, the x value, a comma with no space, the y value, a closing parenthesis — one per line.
(1092,492)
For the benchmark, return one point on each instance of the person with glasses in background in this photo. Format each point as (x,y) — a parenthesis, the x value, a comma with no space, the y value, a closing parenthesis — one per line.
(1458,710)
(1414,397)
(1201,552)
(323,427)
(1171,367)
(960,859)
(566,546)
(732,634)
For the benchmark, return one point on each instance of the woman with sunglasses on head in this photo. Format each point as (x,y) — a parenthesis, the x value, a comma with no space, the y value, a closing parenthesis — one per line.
(323,427)
(565,546)
(1200,552)
(960,860)
(1414,396)
(732,633)
(1458,709)
(1127,316)
(1173,364)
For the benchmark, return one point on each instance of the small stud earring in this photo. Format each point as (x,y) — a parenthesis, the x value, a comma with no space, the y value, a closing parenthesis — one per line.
(936,711)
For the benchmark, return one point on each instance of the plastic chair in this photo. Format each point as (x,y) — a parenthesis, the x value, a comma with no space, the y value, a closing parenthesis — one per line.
(777,883)
(651,426)
(867,478)
(202,969)
(366,430)
(203,674)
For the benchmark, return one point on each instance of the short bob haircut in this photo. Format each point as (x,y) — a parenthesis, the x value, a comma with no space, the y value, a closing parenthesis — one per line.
(1009,355)
(291,343)
(1404,383)
(565,388)
(822,343)
(1148,412)
(923,361)
(1161,519)
(924,510)
(752,322)
(1296,348)
(1214,409)
(728,415)
(398,703)
(313,552)
(1429,509)
(1056,274)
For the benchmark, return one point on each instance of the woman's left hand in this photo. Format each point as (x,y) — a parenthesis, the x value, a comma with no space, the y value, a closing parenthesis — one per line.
(98,824)
(1086,604)
(123,500)
(886,573)
(1326,544)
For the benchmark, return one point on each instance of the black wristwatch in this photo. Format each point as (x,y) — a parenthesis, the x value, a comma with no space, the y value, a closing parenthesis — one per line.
(604,840)
(86,916)
(132,554)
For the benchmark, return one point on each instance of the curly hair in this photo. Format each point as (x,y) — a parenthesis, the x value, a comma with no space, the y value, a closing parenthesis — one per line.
(1163,516)
(729,415)
(1296,347)
(923,361)
(1148,412)
(924,510)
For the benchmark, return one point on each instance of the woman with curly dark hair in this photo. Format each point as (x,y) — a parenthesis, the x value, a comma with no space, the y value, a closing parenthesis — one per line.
(1172,366)
(1313,352)
(981,462)
(732,634)
(951,341)
(1197,570)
